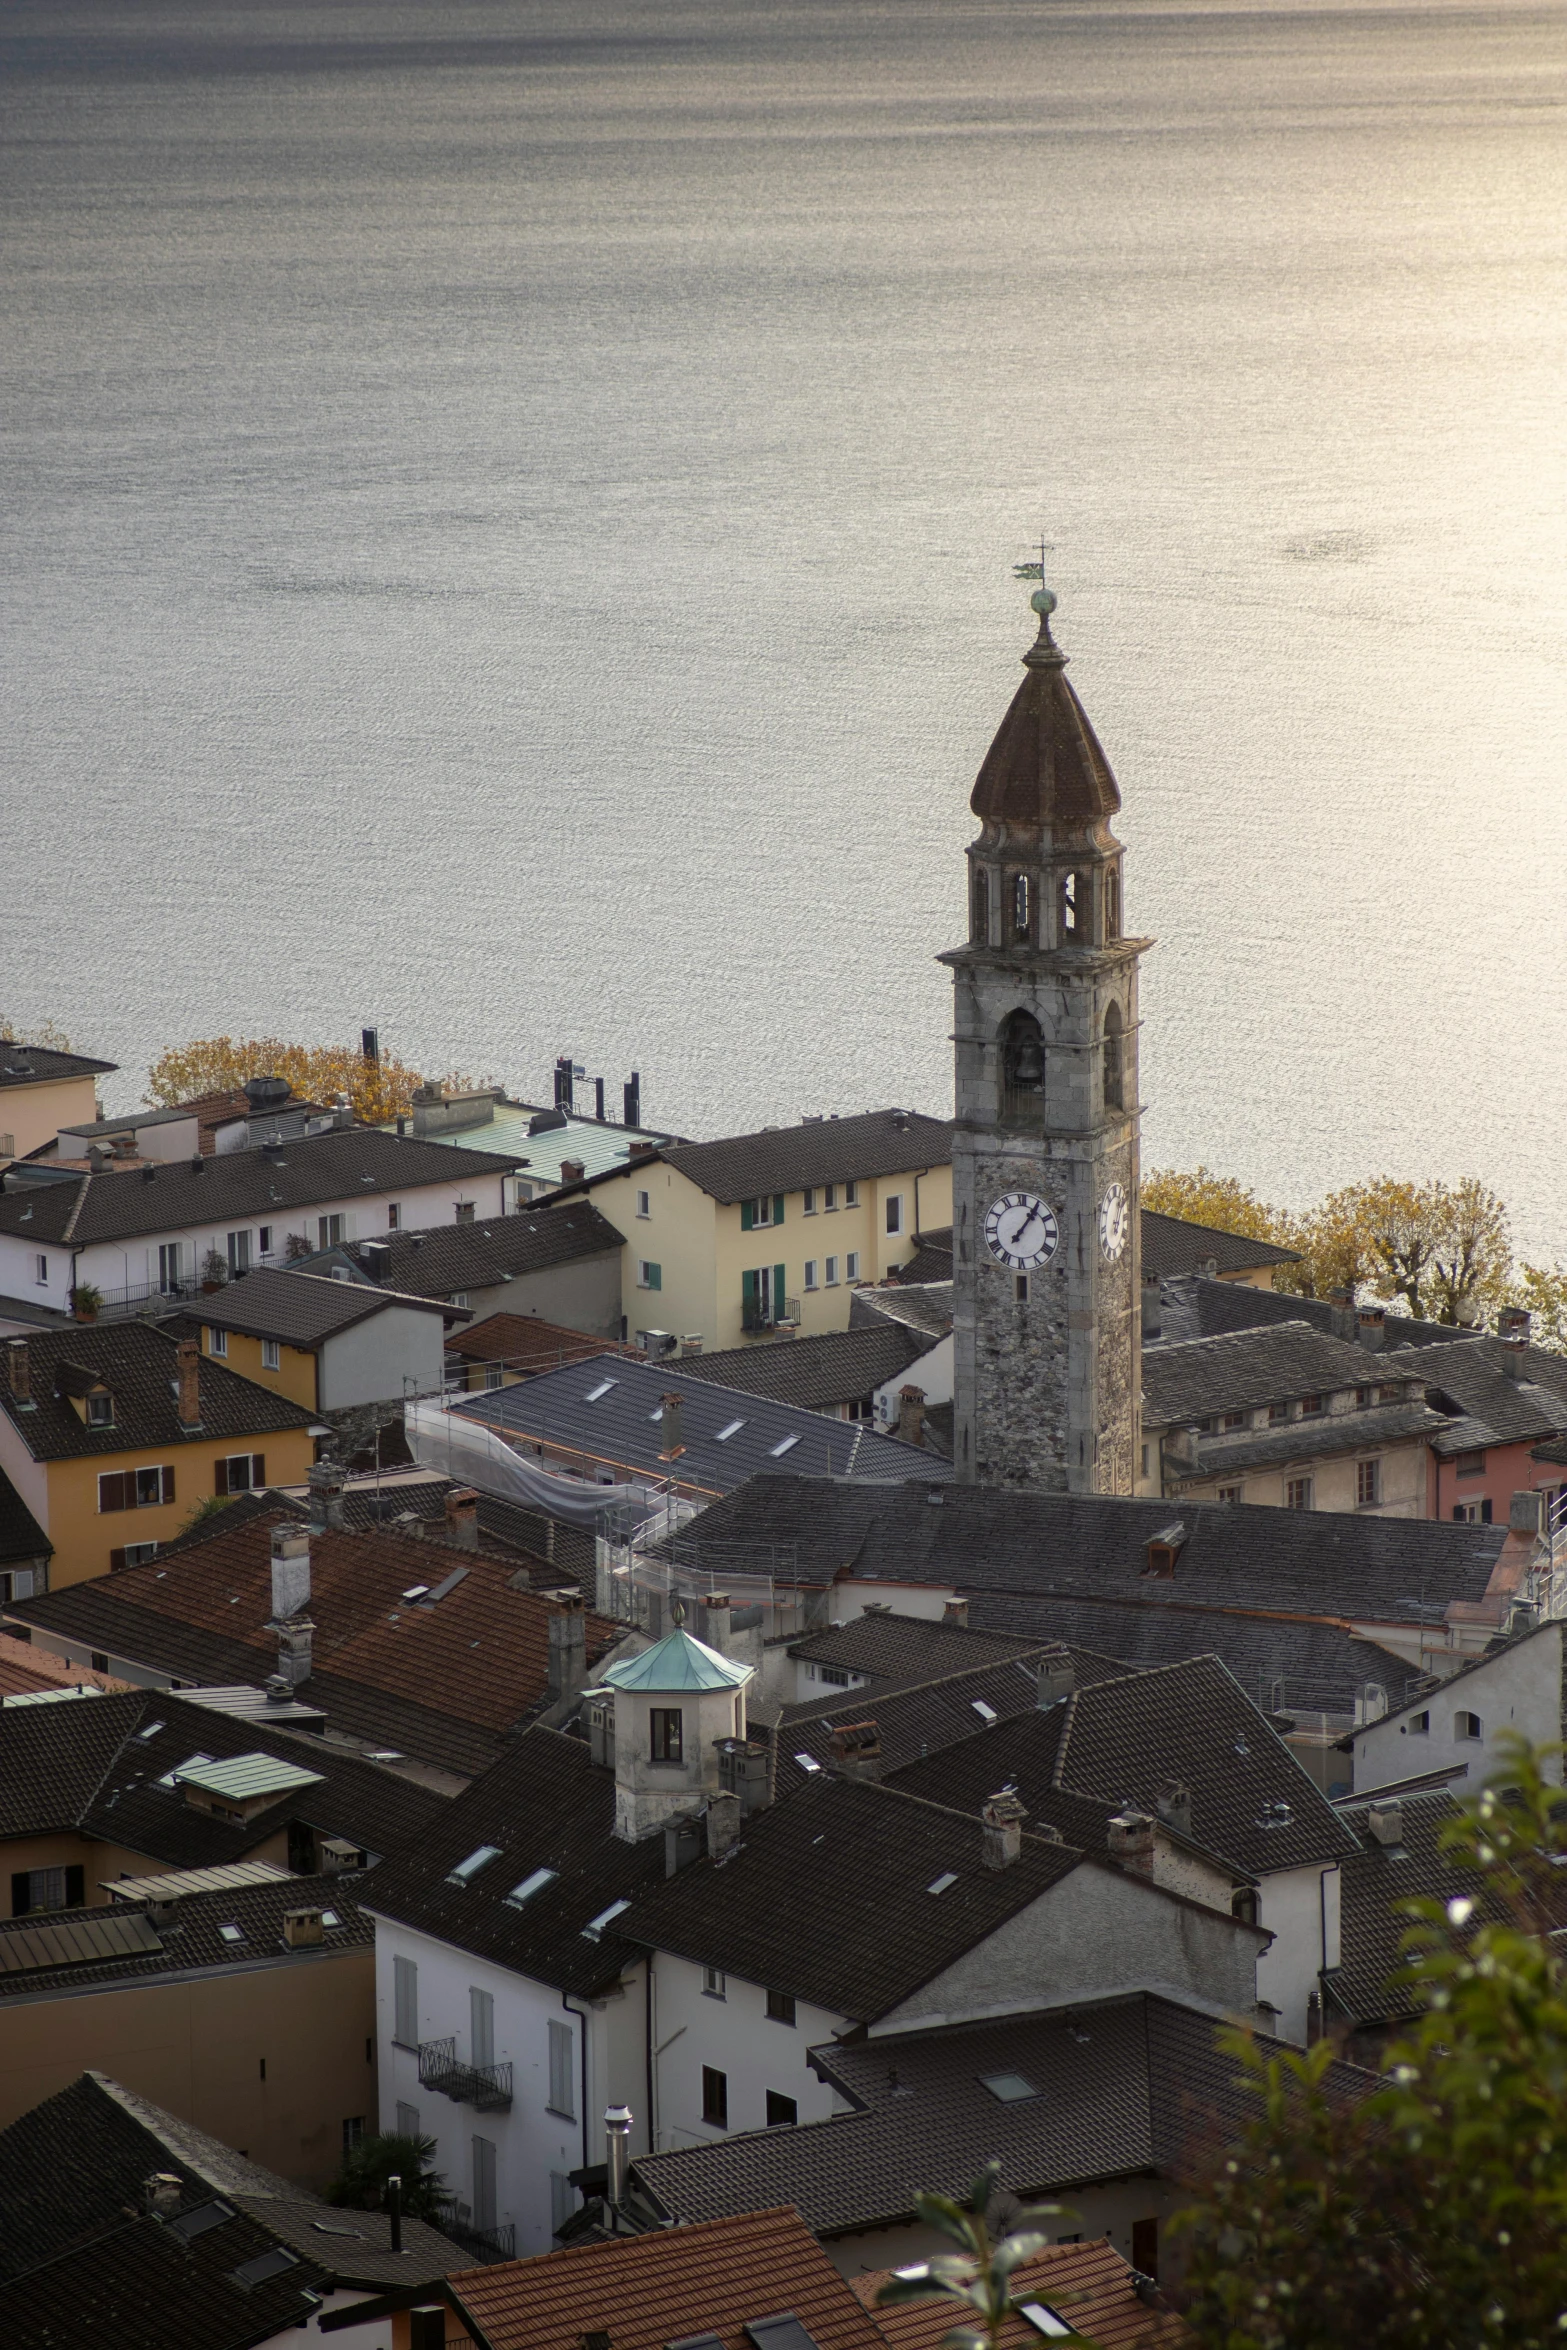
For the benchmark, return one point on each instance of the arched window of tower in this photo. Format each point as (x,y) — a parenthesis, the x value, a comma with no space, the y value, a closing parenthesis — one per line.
(979,923)
(1114,1059)
(1022,1070)
(1022,910)
(1073,925)
(1112,901)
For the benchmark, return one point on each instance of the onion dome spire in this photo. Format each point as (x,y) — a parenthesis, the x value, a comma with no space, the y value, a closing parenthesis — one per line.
(1045,769)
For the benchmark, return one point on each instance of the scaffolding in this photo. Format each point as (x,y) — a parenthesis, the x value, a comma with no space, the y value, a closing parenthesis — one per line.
(645,1565)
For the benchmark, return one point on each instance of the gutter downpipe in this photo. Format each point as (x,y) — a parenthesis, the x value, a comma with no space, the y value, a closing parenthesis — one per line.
(565,2000)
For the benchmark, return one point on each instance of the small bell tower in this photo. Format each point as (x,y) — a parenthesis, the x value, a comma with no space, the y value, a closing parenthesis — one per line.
(1046,1238)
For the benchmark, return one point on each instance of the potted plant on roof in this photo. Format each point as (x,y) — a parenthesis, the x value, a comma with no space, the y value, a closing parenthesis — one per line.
(214,1272)
(86,1302)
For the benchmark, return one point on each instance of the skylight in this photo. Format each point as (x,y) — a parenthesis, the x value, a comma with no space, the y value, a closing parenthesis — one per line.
(1010,2088)
(596,1926)
(733,1429)
(329,1917)
(151,1731)
(787,1445)
(524,1892)
(807,1762)
(596,1394)
(940,1884)
(986,1713)
(231,1933)
(416,1591)
(1043,2319)
(467,1870)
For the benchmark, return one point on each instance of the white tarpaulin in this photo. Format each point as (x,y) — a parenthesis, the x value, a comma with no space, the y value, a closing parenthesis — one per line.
(475,1455)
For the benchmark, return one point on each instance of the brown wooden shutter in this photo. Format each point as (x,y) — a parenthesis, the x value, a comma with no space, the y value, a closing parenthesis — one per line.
(111,1491)
(168,1484)
(220,1477)
(258,1469)
(21,1888)
(116,1561)
(75,1886)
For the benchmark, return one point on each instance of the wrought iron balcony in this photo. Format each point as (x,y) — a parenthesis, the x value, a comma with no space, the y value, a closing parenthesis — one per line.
(491,2243)
(487,2086)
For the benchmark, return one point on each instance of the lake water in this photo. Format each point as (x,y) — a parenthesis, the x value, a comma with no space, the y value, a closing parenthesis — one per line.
(510,511)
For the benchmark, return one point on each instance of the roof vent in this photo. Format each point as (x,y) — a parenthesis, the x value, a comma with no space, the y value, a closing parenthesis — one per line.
(1003,1818)
(303,1929)
(1130,1839)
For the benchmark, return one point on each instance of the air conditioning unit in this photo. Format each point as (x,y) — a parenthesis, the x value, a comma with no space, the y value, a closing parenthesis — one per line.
(656,1344)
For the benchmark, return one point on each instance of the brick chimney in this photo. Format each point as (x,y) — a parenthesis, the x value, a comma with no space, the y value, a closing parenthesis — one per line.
(572,1170)
(723,1824)
(955,1611)
(856,1750)
(462,1518)
(568,1638)
(1002,1835)
(911,1415)
(187,1374)
(325,1481)
(1130,1841)
(20,1369)
(1371,1326)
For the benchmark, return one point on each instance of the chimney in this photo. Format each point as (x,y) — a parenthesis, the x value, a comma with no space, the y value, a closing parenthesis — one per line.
(21,1372)
(682,1842)
(290,1570)
(325,1481)
(598,1099)
(911,1415)
(1515,1322)
(187,1374)
(856,1750)
(742,1771)
(1002,1835)
(617,2149)
(1173,1803)
(572,1170)
(161,2193)
(723,1824)
(295,1640)
(1057,1679)
(462,1518)
(672,1440)
(394,2205)
(631,1099)
(1130,1839)
(302,1929)
(955,1611)
(1371,1326)
(1515,1356)
(568,1635)
(1208,1268)
(691,1343)
(1153,1306)
(1385,1821)
(718,1614)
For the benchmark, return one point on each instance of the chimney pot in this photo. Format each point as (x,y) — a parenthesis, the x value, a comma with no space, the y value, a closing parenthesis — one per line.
(911,1415)
(325,1481)
(1130,1840)
(723,1823)
(1371,1326)
(161,2193)
(568,1643)
(1002,1833)
(462,1517)
(188,1383)
(716,1630)
(1385,1822)
(955,1611)
(290,1570)
(617,2148)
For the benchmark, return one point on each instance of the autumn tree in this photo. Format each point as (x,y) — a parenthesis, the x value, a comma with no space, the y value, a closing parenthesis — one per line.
(376,1090)
(1220,1201)
(40,1032)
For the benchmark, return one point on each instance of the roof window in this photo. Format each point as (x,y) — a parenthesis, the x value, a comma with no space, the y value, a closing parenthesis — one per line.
(466,1870)
(329,1917)
(1009,2088)
(263,2268)
(986,1713)
(416,1591)
(595,1926)
(779,1450)
(1043,2319)
(733,1429)
(940,1884)
(808,1763)
(191,2224)
(597,1394)
(521,1894)
(232,1933)
(151,1731)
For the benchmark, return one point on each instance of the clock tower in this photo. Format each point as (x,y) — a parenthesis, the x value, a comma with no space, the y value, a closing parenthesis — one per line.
(1046,1254)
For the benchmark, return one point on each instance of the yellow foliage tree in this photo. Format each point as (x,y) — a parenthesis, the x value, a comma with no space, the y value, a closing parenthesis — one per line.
(376,1090)
(1219,1201)
(43,1032)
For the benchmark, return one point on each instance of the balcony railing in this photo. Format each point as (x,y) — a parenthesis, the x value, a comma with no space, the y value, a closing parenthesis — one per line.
(490,2243)
(487,2086)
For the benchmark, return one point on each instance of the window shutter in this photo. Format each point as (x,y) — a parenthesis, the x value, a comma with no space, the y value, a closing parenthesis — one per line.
(116,1561)
(220,1477)
(655,1276)
(778,1201)
(75,1886)
(405,2002)
(258,1469)
(747,1215)
(21,1888)
(748,1291)
(561,2100)
(780,1301)
(168,1484)
(111,1491)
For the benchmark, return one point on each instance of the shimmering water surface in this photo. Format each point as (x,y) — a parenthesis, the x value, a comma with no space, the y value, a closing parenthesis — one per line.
(509,514)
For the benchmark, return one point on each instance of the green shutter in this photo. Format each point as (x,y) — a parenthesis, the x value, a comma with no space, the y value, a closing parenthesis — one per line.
(780,1301)
(748,1290)
(747,1217)
(778,1201)
(655,1276)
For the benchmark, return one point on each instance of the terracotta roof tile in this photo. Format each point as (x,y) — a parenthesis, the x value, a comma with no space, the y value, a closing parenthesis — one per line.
(1089,2285)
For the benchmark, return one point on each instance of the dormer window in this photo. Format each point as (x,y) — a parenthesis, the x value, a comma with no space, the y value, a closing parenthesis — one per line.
(100,1411)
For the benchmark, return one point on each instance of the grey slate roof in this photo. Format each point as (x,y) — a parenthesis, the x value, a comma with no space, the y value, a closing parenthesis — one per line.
(1125,2086)
(195,1941)
(138,2284)
(137,1364)
(1193,1381)
(895,1648)
(1172,1245)
(21,1536)
(1472,1376)
(1370,1883)
(623,1428)
(1321,1437)
(820,1150)
(444,1259)
(301,1309)
(924,1306)
(352,1162)
(35,1064)
(841,1366)
(826,1897)
(1039,1545)
(1116,1742)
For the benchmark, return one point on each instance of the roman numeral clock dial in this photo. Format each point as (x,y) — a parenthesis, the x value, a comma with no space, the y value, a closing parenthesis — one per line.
(1115,1221)
(1021,1231)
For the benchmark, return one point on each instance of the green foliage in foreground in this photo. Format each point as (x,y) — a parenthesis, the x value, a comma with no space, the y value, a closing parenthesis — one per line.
(1433,2215)
(361,2183)
(977,2278)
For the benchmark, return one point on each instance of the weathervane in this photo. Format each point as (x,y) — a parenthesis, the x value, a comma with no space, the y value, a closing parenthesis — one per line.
(1035,570)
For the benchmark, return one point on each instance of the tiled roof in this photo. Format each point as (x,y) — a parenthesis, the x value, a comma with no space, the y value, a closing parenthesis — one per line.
(992,1540)
(543,1805)
(646,2291)
(302,1309)
(78,2159)
(924,1305)
(827,1897)
(141,2286)
(26,1671)
(821,1150)
(1088,2286)
(1191,1306)
(1321,1437)
(35,1064)
(1171,1246)
(351,1163)
(841,1366)
(1045,767)
(529,1131)
(1117,1742)
(1189,1382)
(96,1764)
(918,1719)
(443,1682)
(523,1343)
(446,1258)
(1124,2088)
(1473,1376)
(895,1648)
(623,1427)
(1375,1878)
(137,1364)
(21,1536)
(196,1939)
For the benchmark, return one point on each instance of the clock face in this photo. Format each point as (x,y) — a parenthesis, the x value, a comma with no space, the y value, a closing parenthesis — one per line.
(1021,1231)
(1115,1221)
